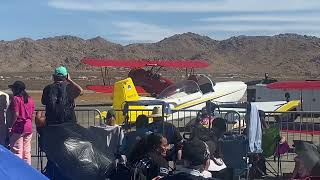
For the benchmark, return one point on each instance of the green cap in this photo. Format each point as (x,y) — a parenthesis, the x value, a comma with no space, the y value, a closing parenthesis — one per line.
(61,70)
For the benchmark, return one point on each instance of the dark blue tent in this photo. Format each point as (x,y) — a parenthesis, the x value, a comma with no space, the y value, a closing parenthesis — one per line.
(14,168)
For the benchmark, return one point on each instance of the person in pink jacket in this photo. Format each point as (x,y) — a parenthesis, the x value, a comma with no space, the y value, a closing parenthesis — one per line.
(22,107)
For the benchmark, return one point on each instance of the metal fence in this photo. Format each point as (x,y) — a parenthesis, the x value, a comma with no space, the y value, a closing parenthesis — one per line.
(295,125)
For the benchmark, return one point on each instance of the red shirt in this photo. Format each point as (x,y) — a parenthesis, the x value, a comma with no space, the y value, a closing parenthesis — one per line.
(23,124)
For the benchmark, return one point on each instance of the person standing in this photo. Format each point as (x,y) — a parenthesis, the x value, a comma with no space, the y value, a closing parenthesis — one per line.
(168,130)
(161,126)
(22,107)
(59,97)
(59,100)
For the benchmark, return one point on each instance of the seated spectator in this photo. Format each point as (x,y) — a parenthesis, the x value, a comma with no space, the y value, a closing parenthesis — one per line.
(159,124)
(307,162)
(148,158)
(217,167)
(196,156)
(217,130)
(300,171)
(133,137)
(169,131)
(110,118)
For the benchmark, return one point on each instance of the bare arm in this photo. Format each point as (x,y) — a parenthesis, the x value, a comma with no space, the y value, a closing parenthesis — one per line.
(14,118)
(44,98)
(15,112)
(40,119)
(78,90)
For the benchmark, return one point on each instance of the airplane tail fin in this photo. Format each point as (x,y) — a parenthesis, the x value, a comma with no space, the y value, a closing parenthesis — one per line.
(123,91)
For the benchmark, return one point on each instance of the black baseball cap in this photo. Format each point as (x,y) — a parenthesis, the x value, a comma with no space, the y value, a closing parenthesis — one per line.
(18,85)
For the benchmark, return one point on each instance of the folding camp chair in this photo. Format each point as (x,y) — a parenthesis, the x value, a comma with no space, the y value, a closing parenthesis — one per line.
(270,141)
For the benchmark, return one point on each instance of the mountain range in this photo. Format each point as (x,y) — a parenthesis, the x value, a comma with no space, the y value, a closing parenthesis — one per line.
(280,55)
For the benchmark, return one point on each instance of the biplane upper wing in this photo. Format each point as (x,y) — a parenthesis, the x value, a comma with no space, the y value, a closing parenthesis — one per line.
(179,63)
(109,89)
(143,63)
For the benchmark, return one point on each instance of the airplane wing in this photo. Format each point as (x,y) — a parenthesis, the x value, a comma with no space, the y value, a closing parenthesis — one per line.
(180,63)
(142,63)
(109,89)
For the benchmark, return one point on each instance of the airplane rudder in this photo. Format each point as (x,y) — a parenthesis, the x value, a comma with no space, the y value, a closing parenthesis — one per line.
(130,91)
(124,90)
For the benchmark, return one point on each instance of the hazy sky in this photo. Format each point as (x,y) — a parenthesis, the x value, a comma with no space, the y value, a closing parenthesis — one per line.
(129,21)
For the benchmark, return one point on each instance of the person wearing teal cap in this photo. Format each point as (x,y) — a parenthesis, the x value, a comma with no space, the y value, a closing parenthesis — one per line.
(61,71)
(59,100)
(63,90)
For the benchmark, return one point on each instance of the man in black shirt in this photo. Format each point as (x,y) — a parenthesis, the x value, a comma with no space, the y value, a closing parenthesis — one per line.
(59,97)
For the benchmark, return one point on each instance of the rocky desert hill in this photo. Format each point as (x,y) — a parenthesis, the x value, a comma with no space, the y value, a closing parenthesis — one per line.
(282,55)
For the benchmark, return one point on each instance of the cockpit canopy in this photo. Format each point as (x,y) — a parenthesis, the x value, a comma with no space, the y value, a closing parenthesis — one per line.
(206,84)
(179,89)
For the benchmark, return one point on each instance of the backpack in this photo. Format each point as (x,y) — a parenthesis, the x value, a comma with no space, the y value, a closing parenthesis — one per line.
(59,107)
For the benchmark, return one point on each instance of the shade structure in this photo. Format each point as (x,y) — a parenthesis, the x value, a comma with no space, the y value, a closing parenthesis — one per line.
(295,85)
(14,168)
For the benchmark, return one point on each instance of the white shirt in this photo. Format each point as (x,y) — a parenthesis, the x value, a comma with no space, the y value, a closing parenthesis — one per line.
(194,172)
(216,167)
(4,104)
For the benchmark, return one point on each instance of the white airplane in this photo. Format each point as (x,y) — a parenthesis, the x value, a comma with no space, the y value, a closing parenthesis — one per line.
(183,95)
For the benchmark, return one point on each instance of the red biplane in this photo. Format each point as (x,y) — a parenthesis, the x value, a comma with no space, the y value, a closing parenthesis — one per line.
(145,80)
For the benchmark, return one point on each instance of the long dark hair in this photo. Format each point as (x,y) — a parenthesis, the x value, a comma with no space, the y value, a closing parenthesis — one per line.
(147,144)
(23,93)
